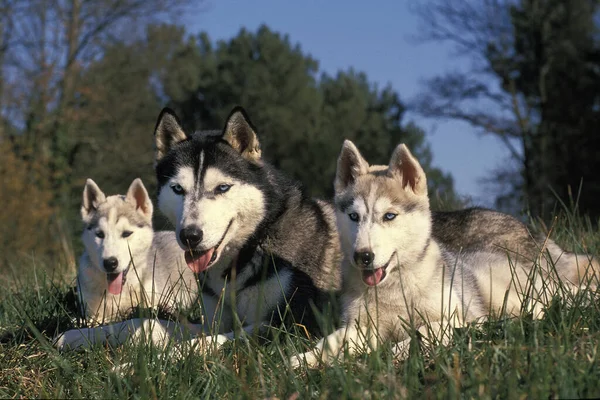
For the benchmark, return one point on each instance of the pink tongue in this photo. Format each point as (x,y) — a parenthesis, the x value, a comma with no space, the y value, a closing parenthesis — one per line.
(373,277)
(115,285)
(199,263)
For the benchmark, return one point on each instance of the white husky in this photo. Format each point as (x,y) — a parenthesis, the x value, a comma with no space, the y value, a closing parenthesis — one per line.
(395,271)
(125,263)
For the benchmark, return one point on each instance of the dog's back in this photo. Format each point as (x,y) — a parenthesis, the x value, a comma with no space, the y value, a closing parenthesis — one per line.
(482,229)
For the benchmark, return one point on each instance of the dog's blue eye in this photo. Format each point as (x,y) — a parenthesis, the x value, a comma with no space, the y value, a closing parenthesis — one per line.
(177,189)
(222,188)
(389,216)
(126,234)
(353,216)
(100,234)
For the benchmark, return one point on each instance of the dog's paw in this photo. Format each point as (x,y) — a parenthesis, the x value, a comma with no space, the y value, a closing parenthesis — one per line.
(75,339)
(219,340)
(122,370)
(401,350)
(208,343)
(214,342)
(295,362)
(310,358)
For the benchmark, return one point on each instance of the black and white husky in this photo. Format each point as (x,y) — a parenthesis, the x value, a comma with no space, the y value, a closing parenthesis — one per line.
(265,252)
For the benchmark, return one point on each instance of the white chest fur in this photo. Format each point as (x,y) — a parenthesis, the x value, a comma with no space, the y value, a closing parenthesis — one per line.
(245,292)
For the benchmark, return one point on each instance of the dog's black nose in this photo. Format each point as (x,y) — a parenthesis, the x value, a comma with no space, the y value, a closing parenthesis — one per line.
(363,258)
(191,236)
(110,264)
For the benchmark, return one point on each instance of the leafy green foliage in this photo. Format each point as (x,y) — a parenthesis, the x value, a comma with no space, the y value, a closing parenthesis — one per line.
(26,203)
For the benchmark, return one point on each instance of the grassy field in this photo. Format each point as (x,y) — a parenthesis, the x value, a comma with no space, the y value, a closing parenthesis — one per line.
(556,356)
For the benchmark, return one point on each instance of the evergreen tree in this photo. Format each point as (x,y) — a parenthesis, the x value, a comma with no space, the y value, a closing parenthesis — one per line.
(534,84)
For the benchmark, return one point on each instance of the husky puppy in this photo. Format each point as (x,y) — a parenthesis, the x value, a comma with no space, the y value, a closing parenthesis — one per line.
(395,270)
(126,263)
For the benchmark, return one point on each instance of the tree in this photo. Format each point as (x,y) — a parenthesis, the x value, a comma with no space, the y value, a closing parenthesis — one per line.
(47,53)
(25,207)
(51,44)
(118,100)
(533,84)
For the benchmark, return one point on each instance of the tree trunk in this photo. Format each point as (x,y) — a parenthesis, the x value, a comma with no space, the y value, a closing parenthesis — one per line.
(60,131)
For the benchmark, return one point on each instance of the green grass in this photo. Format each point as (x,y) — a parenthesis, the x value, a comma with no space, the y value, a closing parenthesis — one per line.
(557,356)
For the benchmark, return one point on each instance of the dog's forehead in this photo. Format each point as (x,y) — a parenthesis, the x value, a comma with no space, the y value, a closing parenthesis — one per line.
(197,153)
(373,203)
(211,176)
(215,176)
(118,212)
(377,191)
(185,177)
(186,154)
(114,221)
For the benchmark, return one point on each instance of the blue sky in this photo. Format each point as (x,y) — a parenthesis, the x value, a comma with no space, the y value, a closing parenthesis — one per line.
(379,40)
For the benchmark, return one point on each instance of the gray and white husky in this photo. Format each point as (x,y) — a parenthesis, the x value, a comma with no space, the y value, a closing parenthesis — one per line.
(395,270)
(125,263)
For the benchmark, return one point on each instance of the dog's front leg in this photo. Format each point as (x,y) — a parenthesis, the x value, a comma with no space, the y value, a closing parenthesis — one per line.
(112,334)
(218,340)
(331,347)
(432,333)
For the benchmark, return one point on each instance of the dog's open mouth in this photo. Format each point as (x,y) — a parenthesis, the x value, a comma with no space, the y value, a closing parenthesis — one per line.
(373,277)
(199,261)
(117,281)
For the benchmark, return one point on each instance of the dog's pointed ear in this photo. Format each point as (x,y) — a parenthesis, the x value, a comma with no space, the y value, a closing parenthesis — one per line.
(167,133)
(138,196)
(404,166)
(92,198)
(241,135)
(350,166)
